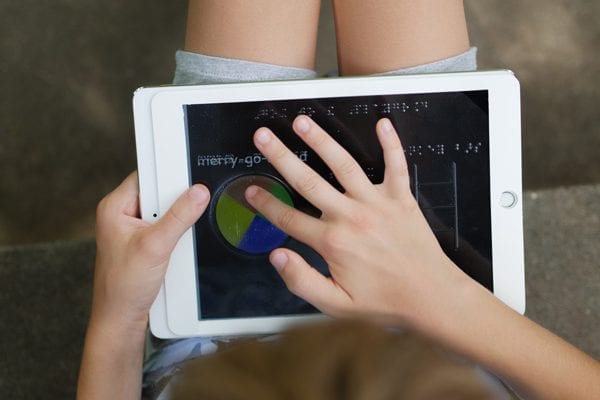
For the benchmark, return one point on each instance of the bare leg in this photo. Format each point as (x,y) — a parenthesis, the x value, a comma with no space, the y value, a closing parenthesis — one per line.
(268,31)
(383,35)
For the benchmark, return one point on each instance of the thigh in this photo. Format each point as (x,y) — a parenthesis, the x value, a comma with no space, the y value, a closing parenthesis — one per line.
(268,31)
(384,35)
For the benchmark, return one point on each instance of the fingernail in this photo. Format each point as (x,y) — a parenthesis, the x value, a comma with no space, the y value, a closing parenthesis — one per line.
(279,259)
(263,136)
(301,124)
(386,126)
(199,193)
(251,191)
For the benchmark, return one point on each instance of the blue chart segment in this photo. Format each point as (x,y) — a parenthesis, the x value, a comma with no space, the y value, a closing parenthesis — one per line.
(261,236)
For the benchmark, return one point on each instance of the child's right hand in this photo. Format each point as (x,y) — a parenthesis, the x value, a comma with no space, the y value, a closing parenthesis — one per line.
(383,257)
(132,254)
(385,261)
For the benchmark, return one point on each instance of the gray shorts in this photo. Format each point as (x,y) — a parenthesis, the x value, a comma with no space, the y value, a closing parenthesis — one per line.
(192,68)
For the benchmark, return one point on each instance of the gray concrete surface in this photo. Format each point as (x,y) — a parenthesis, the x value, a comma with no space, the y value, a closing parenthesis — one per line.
(45,296)
(45,292)
(550,45)
(68,71)
(562,263)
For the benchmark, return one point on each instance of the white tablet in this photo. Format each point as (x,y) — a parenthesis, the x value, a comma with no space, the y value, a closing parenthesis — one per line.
(461,134)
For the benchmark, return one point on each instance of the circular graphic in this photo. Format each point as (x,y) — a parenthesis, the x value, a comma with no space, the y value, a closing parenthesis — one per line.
(240,224)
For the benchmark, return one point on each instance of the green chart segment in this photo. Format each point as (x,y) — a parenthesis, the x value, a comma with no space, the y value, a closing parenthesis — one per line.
(240,224)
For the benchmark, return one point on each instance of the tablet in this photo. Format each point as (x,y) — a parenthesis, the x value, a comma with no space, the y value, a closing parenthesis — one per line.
(461,135)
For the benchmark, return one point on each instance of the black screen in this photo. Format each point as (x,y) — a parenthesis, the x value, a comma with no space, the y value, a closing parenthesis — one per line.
(445,137)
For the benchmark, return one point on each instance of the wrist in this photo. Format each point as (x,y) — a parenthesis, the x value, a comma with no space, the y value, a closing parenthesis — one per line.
(466,318)
(461,310)
(118,326)
(111,343)
(112,358)
(448,306)
(116,314)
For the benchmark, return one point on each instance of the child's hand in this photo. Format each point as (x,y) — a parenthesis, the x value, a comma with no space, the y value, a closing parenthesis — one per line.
(383,257)
(132,254)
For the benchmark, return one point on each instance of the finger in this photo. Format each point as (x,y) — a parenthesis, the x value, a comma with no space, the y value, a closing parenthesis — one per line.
(306,282)
(300,176)
(345,168)
(396,179)
(129,186)
(181,216)
(295,223)
(124,199)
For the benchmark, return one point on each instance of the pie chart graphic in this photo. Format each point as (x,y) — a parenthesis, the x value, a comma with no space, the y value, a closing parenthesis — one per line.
(240,224)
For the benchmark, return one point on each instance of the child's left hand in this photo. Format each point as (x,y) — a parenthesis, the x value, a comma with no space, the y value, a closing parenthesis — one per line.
(132,255)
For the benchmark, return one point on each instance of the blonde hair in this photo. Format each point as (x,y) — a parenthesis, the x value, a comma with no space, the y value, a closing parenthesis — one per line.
(337,360)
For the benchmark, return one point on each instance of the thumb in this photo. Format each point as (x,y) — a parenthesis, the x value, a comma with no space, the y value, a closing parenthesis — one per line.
(181,216)
(306,282)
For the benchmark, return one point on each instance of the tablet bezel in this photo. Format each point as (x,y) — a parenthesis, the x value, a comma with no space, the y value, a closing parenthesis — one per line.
(171,158)
(144,141)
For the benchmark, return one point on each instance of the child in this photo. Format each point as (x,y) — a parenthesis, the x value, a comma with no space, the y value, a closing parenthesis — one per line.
(411,282)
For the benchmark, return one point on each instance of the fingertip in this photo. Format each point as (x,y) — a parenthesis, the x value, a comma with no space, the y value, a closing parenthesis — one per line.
(199,193)
(262,136)
(305,281)
(130,183)
(384,125)
(278,259)
(124,198)
(251,192)
(388,137)
(301,124)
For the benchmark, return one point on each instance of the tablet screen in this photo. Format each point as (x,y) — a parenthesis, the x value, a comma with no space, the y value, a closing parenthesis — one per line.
(445,137)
